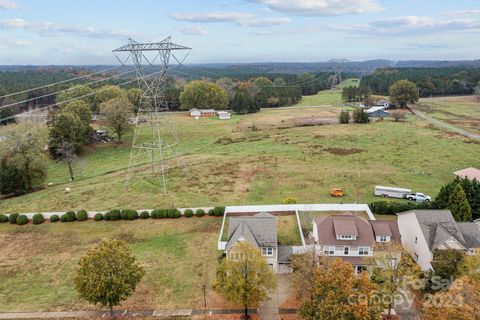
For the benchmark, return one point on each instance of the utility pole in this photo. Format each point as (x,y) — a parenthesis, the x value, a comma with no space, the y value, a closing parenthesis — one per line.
(154,137)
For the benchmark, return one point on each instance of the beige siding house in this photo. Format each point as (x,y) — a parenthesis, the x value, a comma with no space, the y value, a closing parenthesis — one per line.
(424,231)
(351,238)
(260,231)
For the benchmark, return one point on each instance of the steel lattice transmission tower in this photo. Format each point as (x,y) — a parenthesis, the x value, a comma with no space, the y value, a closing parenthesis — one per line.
(155,138)
(338,66)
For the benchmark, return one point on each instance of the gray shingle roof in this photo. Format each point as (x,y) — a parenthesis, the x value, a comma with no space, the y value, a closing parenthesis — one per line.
(260,230)
(471,234)
(438,226)
(284,253)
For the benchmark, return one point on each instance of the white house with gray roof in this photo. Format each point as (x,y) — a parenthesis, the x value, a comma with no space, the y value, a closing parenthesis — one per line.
(423,231)
(260,231)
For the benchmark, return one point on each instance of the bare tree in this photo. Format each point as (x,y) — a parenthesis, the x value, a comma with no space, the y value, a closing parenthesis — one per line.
(67,153)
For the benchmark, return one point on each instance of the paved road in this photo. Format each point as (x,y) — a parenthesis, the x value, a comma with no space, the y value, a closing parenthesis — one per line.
(445,125)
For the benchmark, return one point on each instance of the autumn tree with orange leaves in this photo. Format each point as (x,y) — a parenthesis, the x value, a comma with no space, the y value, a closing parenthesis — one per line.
(340,294)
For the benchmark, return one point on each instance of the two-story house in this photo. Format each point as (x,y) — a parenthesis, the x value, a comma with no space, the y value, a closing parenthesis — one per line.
(424,231)
(260,231)
(352,238)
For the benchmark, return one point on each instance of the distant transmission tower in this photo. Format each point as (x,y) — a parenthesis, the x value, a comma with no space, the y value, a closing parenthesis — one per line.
(338,66)
(154,138)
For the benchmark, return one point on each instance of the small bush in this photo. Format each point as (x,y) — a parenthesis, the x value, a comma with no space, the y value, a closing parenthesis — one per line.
(289,200)
(12,218)
(171,213)
(188,213)
(22,219)
(211,212)
(54,218)
(200,212)
(124,214)
(218,211)
(344,117)
(82,215)
(132,215)
(114,214)
(98,217)
(177,214)
(3,218)
(38,218)
(360,116)
(106,216)
(155,214)
(398,116)
(144,215)
(70,216)
(63,218)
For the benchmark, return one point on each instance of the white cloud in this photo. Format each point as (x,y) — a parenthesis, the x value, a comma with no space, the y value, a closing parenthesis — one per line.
(52,29)
(408,25)
(193,30)
(13,23)
(471,12)
(321,7)
(239,18)
(8,5)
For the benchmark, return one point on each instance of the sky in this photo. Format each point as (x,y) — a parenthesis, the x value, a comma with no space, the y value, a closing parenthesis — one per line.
(85,32)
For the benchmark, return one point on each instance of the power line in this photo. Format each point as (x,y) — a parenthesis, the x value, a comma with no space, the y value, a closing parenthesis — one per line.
(76,98)
(59,82)
(65,90)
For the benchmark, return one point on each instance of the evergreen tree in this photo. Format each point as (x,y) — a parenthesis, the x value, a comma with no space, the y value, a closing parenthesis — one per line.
(458,205)
(242,103)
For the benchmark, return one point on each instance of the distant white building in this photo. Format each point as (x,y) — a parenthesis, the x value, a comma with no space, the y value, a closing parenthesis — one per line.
(224,115)
(377,112)
(202,112)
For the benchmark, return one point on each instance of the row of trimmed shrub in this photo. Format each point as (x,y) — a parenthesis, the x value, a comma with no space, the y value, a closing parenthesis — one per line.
(112,215)
(393,207)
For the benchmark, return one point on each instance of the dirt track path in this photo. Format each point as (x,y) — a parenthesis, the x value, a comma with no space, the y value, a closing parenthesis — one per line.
(446,126)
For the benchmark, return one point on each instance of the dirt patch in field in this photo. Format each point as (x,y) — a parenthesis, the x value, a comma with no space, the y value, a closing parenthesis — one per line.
(306,122)
(343,151)
(229,140)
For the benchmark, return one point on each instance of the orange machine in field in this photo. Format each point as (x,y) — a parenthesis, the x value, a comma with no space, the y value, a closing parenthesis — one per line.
(336,192)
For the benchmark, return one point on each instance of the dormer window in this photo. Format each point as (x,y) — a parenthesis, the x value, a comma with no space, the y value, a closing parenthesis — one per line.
(383,239)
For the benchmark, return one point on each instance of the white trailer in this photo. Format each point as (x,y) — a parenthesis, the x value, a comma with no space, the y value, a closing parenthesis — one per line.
(391,192)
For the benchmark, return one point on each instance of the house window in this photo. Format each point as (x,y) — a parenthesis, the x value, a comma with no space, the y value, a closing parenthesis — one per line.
(382,239)
(268,251)
(346,250)
(416,257)
(416,240)
(363,251)
(329,250)
(360,269)
(235,256)
(346,237)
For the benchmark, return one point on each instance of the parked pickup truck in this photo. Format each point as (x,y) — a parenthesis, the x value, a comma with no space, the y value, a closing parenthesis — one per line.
(419,197)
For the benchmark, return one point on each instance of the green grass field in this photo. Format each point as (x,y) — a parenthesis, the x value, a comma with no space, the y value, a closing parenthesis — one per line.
(38,263)
(261,159)
(463,111)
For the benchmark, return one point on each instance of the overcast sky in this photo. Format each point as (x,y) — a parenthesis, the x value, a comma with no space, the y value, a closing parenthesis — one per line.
(85,32)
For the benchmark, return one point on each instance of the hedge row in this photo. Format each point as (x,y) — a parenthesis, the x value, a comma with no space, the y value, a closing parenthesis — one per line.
(393,207)
(112,215)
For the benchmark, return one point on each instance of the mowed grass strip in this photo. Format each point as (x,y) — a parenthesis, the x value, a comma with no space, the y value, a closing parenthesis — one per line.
(38,263)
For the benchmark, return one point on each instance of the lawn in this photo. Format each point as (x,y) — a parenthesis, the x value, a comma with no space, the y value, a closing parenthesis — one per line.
(38,263)
(231,163)
(462,111)
(327,97)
